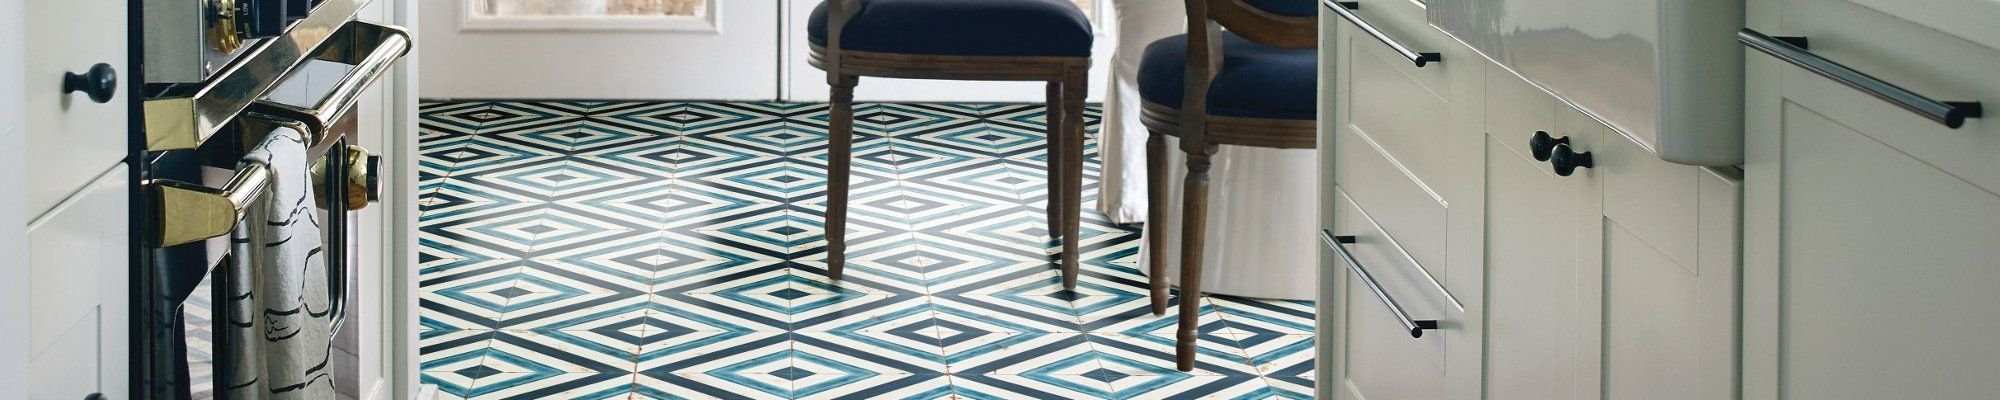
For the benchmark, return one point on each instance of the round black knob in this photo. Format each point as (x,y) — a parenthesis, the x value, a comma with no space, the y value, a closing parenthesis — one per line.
(1542,143)
(1567,160)
(100,83)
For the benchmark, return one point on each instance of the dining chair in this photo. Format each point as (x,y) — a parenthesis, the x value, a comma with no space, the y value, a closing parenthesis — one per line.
(1254,84)
(975,40)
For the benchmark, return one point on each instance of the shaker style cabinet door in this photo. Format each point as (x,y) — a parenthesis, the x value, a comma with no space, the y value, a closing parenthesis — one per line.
(1610,273)
(1871,229)
(1537,224)
(77,264)
(75,107)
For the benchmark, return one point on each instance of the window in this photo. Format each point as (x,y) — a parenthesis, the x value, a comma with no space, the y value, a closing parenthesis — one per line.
(654,15)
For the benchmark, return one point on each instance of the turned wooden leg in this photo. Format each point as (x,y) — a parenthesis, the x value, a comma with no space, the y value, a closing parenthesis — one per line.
(1074,90)
(1156,219)
(1194,229)
(839,152)
(1055,119)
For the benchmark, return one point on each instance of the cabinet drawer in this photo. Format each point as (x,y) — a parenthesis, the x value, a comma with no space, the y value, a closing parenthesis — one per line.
(77,260)
(1382,360)
(1406,110)
(1930,62)
(70,139)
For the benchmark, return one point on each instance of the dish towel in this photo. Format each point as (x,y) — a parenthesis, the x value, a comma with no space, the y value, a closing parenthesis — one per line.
(279,329)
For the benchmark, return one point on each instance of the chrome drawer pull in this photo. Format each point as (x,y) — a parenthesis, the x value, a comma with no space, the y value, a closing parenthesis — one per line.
(1416,326)
(1793,50)
(1345,9)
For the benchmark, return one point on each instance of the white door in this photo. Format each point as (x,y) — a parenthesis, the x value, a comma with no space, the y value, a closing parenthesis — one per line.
(600,49)
(803,82)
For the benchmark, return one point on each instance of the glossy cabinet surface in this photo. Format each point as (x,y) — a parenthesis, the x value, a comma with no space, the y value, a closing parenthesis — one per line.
(1867,224)
(1664,73)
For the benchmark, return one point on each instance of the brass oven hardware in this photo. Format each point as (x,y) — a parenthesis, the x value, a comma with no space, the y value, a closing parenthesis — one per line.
(222,34)
(177,122)
(362,187)
(191,213)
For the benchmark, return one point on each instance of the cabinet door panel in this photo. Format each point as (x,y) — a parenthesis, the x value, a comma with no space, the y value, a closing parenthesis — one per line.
(1532,290)
(1407,210)
(70,138)
(1917,57)
(1887,270)
(77,261)
(1382,360)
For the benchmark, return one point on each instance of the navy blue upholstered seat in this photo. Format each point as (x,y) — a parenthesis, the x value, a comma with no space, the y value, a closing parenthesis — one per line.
(1289,8)
(1053,28)
(1256,80)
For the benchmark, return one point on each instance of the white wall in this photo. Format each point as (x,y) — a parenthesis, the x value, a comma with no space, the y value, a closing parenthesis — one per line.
(13,218)
(739,63)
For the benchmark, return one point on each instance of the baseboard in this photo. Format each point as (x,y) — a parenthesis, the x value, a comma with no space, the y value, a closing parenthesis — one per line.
(427,392)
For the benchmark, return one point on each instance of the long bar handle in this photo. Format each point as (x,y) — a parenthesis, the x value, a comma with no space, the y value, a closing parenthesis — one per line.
(1793,50)
(1415,326)
(392,45)
(191,213)
(1346,11)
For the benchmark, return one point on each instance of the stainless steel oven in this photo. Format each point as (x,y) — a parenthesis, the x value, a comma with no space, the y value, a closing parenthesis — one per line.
(188,41)
(212,69)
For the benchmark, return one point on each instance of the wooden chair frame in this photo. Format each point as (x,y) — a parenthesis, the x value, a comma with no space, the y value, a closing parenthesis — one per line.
(1068,80)
(1200,135)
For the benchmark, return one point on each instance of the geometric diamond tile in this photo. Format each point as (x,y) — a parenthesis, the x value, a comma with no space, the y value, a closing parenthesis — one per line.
(676,250)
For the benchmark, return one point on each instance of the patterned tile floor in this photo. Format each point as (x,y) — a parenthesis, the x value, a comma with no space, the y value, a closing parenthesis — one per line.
(673,250)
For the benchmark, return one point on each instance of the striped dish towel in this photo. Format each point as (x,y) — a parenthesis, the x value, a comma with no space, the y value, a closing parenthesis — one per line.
(278,305)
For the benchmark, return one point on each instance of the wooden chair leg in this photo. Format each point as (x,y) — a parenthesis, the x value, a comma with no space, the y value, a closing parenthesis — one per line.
(1156,219)
(839,154)
(1075,87)
(1056,132)
(1194,229)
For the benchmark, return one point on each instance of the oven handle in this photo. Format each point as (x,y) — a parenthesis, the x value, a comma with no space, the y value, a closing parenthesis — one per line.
(391,44)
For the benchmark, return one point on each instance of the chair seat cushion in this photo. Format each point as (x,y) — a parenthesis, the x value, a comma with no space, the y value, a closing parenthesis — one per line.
(1054,28)
(1289,8)
(1256,80)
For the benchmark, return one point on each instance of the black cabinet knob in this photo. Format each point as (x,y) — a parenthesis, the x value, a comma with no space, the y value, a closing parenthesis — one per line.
(96,396)
(1542,144)
(1567,160)
(100,82)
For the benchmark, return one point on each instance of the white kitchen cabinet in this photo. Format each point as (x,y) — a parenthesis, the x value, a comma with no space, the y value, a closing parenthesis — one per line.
(1538,225)
(68,195)
(1402,143)
(1618,281)
(77,269)
(71,138)
(1870,231)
